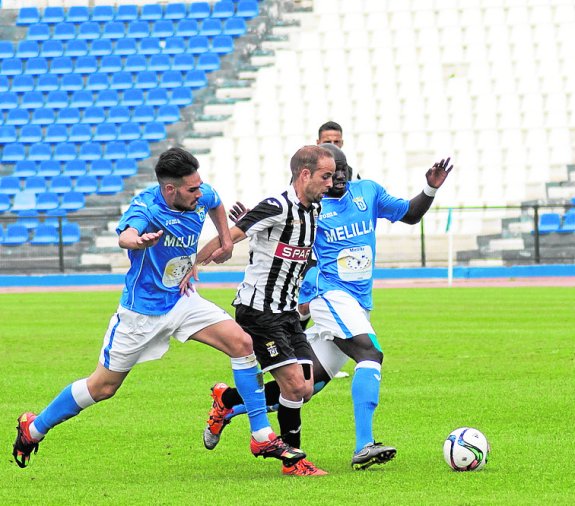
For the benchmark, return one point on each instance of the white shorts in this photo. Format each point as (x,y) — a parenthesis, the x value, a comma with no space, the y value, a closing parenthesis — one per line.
(336,314)
(133,338)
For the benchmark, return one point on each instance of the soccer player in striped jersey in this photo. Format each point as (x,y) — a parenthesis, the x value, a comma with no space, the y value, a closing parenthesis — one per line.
(281,231)
(160,230)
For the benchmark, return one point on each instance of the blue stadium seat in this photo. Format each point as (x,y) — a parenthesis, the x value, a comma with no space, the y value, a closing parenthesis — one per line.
(235,27)
(28,16)
(64,31)
(181,96)
(36,66)
(125,47)
(125,168)
(53,15)
(175,11)
(159,63)
(171,79)
(4,206)
(61,184)
(162,29)
(8,100)
(69,116)
(133,98)
(211,27)
(111,64)
(223,44)
(30,134)
(57,99)
(15,235)
(17,117)
(89,30)
(157,96)
(39,31)
(13,152)
(32,100)
(97,82)
(110,185)
(65,152)
(90,151)
(47,82)
(86,65)
(149,46)
(549,222)
(80,133)
(86,184)
(11,67)
(195,79)
(55,134)
(77,14)
(9,185)
(101,47)
(62,65)
(45,235)
(6,49)
(8,134)
(151,12)
(208,62)
(29,218)
(114,30)
(71,233)
(107,98)
(52,48)
(25,168)
(40,151)
(146,80)
(122,81)
(25,49)
(143,114)
(223,9)
(5,84)
(24,201)
(247,9)
(175,45)
(103,13)
(49,168)
(198,44)
(138,150)
(75,168)
(135,63)
(126,12)
(568,223)
(183,62)
(199,10)
(73,201)
(168,114)
(115,151)
(187,28)
(81,99)
(76,48)
(101,168)
(119,114)
(72,82)
(24,83)
(138,30)
(36,184)
(129,131)
(154,131)
(94,115)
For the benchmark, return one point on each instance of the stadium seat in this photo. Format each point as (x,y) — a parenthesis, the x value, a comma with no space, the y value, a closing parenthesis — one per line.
(15,235)
(13,152)
(36,184)
(568,223)
(62,65)
(115,151)
(39,31)
(129,131)
(40,152)
(119,114)
(17,117)
(171,79)
(71,233)
(64,31)
(46,82)
(211,27)
(126,12)
(11,67)
(138,30)
(549,222)
(53,49)
(162,29)
(168,114)
(28,16)
(198,44)
(175,11)
(146,80)
(138,149)
(103,13)
(77,14)
(24,201)
(57,99)
(101,168)
(36,66)
(111,64)
(4,206)
(9,185)
(113,30)
(69,116)
(25,168)
(61,184)
(135,63)
(24,49)
(154,131)
(6,49)
(121,81)
(157,96)
(72,82)
(183,62)
(110,185)
(46,201)
(235,27)
(102,47)
(223,9)
(247,9)
(208,62)
(181,96)
(86,184)
(80,133)
(75,168)
(223,44)
(43,116)
(89,30)
(199,10)
(175,45)
(149,46)
(5,84)
(195,79)
(31,100)
(132,98)
(73,201)
(49,168)
(65,151)
(81,99)
(76,48)
(97,82)
(53,15)
(187,28)
(107,98)
(45,235)
(29,218)
(31,134)
(151,12)
(55,134)
(8,134)
(8,100)
(125,168)
(125,47)
(86,65)
(90,151)
(143,114)
(94,115)
(159,63)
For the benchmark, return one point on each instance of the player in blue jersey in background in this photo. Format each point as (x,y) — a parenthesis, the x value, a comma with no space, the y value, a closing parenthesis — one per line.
(160,230)
(338,293)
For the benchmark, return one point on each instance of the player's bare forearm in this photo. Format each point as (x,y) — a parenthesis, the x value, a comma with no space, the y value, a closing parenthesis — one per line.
(211,249)
(131,239)
(224,252)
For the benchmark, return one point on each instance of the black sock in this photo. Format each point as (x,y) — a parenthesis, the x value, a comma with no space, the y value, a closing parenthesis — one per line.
(289,418)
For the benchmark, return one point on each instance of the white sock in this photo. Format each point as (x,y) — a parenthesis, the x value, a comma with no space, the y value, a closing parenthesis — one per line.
(263,434)
(34,433)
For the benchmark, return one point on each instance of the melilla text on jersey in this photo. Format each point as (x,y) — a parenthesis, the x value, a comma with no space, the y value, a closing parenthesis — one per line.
(349,231)
(171,241)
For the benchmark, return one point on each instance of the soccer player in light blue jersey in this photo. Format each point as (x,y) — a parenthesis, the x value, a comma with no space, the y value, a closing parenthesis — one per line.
(160,230)
(338,293)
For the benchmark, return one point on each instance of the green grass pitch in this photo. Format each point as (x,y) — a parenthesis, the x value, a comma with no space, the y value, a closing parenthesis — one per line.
(498,359)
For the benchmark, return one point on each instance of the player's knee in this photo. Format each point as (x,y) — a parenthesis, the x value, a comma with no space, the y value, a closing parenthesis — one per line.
(103,392)
(241,345)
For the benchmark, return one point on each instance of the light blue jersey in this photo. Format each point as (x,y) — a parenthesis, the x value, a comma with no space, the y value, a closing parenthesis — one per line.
(345,242)
(152,283)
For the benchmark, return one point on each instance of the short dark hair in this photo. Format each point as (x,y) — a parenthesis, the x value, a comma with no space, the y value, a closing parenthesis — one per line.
(307,158)
(330,125)
(175,163)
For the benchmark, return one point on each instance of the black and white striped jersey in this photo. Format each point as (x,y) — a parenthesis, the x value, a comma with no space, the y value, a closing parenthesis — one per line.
(281,232)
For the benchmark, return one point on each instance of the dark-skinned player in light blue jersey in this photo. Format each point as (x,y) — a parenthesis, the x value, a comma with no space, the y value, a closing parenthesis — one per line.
(160,230)
(338,294)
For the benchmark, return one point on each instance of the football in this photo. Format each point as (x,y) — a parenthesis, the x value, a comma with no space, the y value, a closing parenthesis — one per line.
(466,449)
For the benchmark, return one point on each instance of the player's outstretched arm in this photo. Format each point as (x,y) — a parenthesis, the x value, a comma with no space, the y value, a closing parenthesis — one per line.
(224,252)
(131,239)
(420,204)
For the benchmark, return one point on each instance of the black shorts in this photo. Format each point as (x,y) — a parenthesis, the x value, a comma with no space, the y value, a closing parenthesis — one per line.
(278,337)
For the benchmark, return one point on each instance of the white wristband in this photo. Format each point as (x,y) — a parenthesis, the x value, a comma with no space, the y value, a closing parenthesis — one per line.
(430,191)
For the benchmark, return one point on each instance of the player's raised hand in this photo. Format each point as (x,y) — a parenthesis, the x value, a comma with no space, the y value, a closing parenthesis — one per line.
(149,239)
(186,285)
(237,211)
(438,173)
